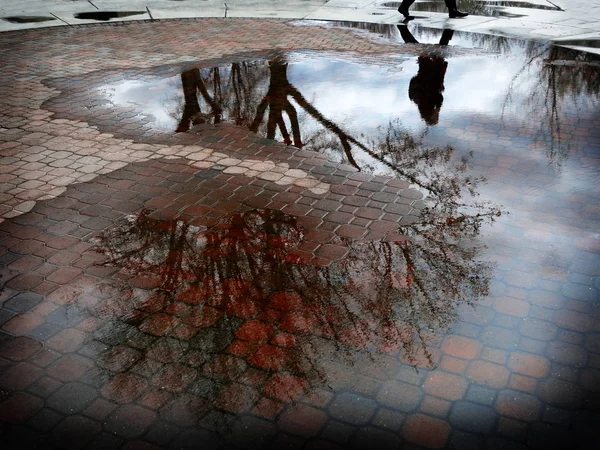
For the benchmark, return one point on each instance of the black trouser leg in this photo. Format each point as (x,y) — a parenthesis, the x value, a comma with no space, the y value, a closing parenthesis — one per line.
(403,9)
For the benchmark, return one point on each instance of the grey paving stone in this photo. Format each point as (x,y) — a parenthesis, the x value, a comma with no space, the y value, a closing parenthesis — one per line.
(44,332)
(473,417)
(481,395)
(66,316)
(5,315)
(399,395)
(371,437)
(388,419)
(459,440)
(337,431)
(72,398)
(23,302)
(352,408)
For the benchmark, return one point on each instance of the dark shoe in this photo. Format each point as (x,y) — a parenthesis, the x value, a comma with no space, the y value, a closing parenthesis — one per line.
(454,13)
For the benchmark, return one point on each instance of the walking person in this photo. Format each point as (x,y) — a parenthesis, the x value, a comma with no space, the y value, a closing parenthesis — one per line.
(453,11)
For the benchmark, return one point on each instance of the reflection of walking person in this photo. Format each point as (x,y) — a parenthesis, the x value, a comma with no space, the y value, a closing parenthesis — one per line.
(453,11)
(426,87)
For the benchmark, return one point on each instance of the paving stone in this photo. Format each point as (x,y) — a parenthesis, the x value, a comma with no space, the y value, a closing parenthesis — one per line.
(72,398)
(561,393)
(352,408)
(302,420)
(76,431)
(481,395)
(445,385)
(426,431)
(23,302)
(518,405)
(130,421)
(399,395)
(370,437)
(473,417)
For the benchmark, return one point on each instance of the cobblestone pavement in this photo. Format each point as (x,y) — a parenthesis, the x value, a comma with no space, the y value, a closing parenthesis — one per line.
(216,289)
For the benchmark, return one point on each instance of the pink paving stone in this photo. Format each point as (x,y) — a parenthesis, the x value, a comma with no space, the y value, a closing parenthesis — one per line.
(194,295)
(159,324)
(237,398)
(67,340)
(65,295)
(154,398)
(518,405)
(184,332)
(20,376)
(445,385)
(22,324)
(530,365)
(426,431)
(268,408)
(99,409)
(19,407)
(285,301)
(20,349)
(270,357)
(224,366)
(454,365)
(178,309)
(297,322)
(255,331)
(118,359)
(241,348)
(522,383)
(124,388)
(285,387)
(244,308)
(511,306)
(185,410)
(302,420)
(488,374)
(435,406)
(285,340)
(203,316)
(358,336)
(70,367)
(461,347)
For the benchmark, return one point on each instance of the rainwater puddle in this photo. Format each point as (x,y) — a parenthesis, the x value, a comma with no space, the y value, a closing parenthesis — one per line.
(27,19)
(239,313)
(106,15)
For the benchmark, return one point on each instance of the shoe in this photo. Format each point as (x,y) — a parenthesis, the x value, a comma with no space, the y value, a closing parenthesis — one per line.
(455,13)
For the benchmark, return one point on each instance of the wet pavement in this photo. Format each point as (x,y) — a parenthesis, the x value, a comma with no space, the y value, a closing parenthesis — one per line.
(260,234)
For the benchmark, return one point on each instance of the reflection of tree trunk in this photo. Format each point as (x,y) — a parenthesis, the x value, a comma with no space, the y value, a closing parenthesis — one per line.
(192,83)
(276,100)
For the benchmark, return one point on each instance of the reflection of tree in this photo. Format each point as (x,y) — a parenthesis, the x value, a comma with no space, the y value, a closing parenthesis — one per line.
(381,295)
(565,79)
(192,83)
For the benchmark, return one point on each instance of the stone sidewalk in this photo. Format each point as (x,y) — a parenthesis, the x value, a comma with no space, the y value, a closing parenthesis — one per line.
(572,23)
(104,345)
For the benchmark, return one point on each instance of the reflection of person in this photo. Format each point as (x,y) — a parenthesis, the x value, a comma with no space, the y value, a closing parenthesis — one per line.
(453,11)
(426,87)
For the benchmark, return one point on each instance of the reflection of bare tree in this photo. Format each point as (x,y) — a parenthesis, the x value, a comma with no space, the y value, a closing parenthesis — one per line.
(565,79)
(192,83)
(379,296)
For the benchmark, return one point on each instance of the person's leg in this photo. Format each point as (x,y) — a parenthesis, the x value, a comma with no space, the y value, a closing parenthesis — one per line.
(453,11)
(403,8)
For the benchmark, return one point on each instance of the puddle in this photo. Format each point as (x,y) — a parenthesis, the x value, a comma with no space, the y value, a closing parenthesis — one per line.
(27,19)
(233,310)
(106,15)
(479,8)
